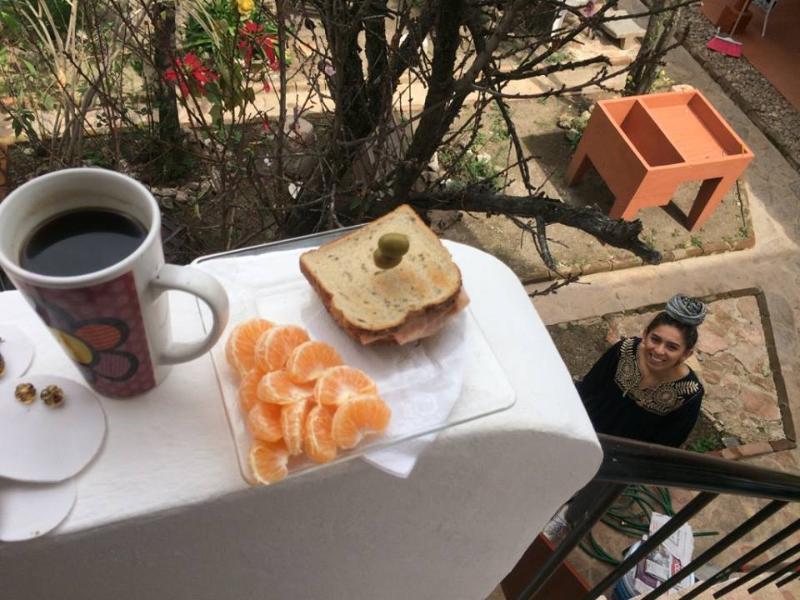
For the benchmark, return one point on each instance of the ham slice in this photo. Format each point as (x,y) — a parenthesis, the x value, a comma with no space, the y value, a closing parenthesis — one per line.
(419,327)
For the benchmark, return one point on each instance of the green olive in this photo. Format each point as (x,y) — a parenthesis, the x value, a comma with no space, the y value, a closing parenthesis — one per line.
(393,245)
(385,262)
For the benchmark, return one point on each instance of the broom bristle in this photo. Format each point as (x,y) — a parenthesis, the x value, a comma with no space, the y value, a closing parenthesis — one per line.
(726,46)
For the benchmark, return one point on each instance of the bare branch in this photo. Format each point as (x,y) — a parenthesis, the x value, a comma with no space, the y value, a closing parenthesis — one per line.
(614,232)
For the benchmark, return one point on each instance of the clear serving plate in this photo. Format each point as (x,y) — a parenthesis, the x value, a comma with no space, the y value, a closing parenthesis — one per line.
(437,383)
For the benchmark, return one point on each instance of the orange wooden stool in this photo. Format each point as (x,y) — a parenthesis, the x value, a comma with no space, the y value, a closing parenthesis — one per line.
(643,147)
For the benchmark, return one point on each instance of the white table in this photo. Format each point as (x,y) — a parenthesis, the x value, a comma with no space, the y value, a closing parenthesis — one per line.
(164,513)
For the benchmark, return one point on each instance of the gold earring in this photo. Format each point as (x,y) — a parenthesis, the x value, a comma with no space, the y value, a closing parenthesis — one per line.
(53,396)
(25,393)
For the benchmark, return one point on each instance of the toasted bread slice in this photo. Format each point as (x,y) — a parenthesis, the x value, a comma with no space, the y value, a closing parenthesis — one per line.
(399,304)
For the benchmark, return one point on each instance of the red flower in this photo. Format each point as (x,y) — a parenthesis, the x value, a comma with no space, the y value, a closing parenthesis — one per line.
(268,47)
(190,74)
(251,28)
(254,39)
(191,62)
(247,49)
(173,74)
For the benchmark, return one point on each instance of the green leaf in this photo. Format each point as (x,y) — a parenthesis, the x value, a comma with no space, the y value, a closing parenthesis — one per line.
(216,113)
(212,91)
(29,66)
(16,124)
(9,22)
(21,121)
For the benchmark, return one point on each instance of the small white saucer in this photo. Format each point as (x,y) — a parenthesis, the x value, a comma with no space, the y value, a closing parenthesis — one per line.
(43,444)
(28,510)
(17,350)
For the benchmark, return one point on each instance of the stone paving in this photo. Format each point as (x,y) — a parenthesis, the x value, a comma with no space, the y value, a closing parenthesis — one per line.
(732,359)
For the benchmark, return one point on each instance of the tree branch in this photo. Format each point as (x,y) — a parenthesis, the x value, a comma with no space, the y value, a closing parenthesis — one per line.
(553,68)
(614,232)
(433,125)
(377,56)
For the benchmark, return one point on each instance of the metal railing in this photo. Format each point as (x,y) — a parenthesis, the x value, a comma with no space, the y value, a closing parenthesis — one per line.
(629,462)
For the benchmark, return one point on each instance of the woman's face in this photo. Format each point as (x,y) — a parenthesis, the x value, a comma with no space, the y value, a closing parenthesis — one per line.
(664,348)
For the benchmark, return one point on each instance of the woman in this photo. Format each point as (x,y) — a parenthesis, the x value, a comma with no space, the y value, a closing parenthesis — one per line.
(642,389)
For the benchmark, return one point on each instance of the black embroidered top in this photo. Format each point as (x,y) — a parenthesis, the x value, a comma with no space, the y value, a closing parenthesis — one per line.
(617,406)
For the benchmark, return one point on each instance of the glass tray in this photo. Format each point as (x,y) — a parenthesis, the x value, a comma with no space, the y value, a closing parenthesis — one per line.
(265,281)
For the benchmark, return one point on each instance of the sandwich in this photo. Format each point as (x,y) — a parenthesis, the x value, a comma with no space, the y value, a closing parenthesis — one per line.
(390,281)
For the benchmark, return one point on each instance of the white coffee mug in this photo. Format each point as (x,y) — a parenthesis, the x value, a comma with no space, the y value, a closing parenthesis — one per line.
(113,322)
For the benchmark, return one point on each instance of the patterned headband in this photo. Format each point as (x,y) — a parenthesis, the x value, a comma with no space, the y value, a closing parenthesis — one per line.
(686,310)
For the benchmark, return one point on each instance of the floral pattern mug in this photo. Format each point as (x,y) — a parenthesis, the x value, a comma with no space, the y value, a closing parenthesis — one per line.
(113,323)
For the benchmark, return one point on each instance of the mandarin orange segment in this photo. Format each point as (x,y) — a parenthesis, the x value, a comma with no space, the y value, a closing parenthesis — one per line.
(269,461)
(357,417)
(264,422)
(273,348)
(241,344)
(277,387)
(298,396)
(337,385)
(308,361)
(293,417)
(317,438)
(248,390)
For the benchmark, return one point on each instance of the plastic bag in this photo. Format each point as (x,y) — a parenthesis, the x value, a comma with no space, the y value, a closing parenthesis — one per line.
(667,559)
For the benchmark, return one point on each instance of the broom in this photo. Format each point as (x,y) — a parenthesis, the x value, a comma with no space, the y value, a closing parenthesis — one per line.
(725,44)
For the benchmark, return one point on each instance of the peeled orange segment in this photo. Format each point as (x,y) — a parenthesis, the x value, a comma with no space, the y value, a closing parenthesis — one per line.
(240,347)
(273,348)
(357,417)
(337,385)
(248,390)
(317,438)
(293,417)
(269,461)
(264,422)
(308,361)
(277,387)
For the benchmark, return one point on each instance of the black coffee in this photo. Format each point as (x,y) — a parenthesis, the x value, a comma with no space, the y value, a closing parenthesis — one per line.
(81,241)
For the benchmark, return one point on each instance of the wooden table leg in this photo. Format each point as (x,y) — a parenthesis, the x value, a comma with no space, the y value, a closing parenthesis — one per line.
(624,208)
(711,193)
(577,166)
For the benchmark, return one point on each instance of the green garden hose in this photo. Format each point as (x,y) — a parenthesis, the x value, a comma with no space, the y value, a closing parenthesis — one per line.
(630,515)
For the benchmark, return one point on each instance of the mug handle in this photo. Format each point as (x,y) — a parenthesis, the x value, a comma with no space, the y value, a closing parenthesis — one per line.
(209,290)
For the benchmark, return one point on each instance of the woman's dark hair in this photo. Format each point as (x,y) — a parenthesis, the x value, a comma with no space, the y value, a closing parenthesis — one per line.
(689,332)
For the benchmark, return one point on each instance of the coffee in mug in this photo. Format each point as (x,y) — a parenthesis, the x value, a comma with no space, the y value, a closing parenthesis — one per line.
(84,248)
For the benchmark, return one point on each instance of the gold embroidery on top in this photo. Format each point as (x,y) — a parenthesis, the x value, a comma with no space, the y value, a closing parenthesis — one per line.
(665,398)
